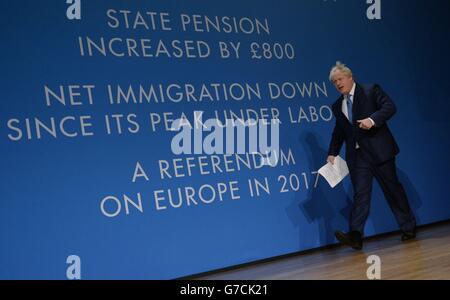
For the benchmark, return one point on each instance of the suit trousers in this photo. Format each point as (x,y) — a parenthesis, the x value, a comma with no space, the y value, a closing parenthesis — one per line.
(362,174)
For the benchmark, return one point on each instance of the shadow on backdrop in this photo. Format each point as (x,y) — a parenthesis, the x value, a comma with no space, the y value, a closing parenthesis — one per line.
(326,206)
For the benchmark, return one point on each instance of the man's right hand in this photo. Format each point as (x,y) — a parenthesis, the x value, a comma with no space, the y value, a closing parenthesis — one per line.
(330,159)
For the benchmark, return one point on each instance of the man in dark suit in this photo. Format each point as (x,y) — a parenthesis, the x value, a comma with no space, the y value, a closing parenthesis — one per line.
(361,113)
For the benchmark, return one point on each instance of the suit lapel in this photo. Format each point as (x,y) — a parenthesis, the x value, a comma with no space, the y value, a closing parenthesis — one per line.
(358,98)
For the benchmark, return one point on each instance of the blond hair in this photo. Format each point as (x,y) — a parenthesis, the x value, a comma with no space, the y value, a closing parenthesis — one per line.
(340,67)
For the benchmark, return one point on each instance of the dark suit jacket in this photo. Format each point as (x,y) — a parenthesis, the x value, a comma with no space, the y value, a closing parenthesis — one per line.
(378,143)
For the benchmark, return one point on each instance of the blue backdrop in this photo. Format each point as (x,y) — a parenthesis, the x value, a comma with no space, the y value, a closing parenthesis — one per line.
(52,188)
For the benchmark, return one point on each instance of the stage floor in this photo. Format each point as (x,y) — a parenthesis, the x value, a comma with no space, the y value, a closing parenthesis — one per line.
(426,257)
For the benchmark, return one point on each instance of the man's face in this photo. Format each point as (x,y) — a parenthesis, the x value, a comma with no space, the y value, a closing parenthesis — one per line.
(342,82)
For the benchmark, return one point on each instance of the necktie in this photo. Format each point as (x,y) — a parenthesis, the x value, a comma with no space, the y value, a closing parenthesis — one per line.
(349,108)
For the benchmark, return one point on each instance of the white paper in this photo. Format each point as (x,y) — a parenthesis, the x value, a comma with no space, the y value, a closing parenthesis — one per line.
(334,173)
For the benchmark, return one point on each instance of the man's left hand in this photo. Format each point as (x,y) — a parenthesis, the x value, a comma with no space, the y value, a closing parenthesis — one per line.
(365,124)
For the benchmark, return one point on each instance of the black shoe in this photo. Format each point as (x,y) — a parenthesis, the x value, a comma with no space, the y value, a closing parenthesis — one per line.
(352,239)
(406,236)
